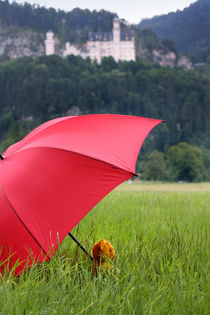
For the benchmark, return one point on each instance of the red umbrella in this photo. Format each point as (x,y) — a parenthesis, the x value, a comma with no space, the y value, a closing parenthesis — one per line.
(53,177)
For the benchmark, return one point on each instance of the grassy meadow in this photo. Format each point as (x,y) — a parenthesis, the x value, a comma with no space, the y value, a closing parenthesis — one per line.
(160,233)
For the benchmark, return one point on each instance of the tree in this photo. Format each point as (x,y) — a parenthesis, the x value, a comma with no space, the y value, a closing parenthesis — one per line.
(48,86)
(206,162)
(169,45)
(108,64)
(185,162)
(15,135)
(155,167)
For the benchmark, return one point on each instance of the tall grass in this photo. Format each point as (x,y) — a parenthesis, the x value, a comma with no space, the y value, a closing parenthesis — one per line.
(162,265)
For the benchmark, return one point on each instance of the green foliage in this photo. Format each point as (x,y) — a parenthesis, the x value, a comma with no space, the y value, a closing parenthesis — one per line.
(189,29)
(169,45)
(186,162)
(155,167)
(73,26)
(70,26)
(49,86)
(14,136)
(182,162)
(147,39)
(162,265)
(35,90)
(206,162)
(7,120)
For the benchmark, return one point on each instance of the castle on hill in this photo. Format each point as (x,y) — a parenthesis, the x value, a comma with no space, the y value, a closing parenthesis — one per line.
(118,44)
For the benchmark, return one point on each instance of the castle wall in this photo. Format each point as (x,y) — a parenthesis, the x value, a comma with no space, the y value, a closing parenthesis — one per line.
(127,50)
(73,50)
(124,51)
(99,46)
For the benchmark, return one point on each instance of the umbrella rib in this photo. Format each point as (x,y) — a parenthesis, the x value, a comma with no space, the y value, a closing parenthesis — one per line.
(81,154)
(80,245)
(15,212)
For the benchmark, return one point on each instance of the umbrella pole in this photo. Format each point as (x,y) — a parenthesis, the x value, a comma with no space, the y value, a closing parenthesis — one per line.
(80,245)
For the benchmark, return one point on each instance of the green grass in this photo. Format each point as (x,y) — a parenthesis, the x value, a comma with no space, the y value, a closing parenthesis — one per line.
(161,239)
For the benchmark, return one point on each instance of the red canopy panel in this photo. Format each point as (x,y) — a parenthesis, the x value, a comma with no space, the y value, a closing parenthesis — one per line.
(52,178)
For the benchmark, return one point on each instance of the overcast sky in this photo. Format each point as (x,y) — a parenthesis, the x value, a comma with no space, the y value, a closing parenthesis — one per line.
(131,10)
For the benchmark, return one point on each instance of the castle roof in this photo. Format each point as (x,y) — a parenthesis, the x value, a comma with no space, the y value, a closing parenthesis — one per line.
(126,35)
(108,36)
(100,36)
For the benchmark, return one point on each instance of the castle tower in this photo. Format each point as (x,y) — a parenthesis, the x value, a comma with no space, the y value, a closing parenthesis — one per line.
(116,30)
(116,38)
(49,43)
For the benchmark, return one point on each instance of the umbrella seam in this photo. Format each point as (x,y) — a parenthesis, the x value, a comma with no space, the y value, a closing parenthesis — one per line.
(24,225)
(82,154)
(32,136)
(67,118)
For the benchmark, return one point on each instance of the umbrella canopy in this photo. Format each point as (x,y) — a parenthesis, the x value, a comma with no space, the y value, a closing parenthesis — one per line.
(53,177)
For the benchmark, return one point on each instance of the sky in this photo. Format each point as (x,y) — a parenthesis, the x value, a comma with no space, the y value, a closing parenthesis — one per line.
(132,11)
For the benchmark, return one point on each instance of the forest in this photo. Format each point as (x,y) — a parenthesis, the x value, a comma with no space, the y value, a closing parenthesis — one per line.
(35,90)
(70,26)
(189,29)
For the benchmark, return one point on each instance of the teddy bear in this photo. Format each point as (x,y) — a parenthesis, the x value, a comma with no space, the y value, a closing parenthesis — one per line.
(103,254)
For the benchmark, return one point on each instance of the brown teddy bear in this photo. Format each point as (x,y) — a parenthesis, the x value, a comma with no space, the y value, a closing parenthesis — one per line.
(103,251)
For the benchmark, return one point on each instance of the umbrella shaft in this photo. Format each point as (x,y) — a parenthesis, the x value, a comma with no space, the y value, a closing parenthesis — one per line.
(1,157)
(80,245)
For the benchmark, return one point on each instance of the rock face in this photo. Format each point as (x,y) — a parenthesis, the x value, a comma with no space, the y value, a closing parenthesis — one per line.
(15,43)
(185,63)
(164,59)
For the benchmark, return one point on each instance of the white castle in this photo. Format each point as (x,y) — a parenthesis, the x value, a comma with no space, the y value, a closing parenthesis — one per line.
(118,44)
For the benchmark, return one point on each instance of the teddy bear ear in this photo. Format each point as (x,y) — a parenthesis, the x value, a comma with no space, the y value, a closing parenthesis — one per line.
(102,244)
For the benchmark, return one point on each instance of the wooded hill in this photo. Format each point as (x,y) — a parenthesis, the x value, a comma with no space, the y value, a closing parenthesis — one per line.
(72,26)
(35,90)
(189,29)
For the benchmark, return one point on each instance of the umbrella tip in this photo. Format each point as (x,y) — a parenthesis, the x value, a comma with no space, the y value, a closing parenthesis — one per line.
(1,156)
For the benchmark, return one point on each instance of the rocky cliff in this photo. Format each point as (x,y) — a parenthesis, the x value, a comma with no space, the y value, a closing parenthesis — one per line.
(16,42)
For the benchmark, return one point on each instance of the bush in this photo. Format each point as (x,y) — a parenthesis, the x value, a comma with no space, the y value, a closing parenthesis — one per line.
(155,167)
(186,162)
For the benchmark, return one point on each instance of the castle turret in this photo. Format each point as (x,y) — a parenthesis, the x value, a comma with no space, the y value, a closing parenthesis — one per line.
(116,38)
(116,30)
(49,43)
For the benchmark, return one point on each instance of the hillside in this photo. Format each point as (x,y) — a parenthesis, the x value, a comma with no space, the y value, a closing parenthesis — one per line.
(35,90)
(35,87)
(23,29)
(70,26)
(189,29)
